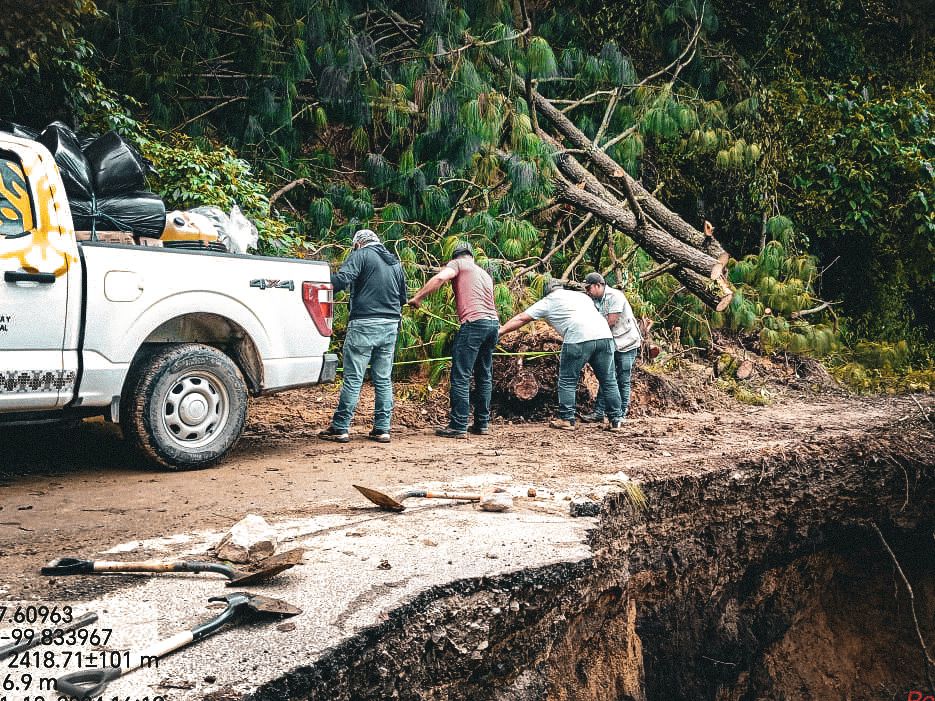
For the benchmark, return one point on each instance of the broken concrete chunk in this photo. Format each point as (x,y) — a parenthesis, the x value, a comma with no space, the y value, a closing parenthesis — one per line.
(582,506)
(496,501)
(249,540)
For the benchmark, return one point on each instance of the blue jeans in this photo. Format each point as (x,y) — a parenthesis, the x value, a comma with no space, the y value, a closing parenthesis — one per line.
(623,365)
(600,355)
(472,353)
(370,341)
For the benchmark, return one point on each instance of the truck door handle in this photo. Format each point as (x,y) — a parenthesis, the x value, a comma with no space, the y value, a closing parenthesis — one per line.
(18,276)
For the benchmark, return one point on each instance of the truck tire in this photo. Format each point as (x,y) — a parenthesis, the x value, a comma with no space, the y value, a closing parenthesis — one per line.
(184,406)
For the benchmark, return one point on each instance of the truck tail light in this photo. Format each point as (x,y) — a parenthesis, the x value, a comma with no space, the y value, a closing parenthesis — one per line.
(318,298)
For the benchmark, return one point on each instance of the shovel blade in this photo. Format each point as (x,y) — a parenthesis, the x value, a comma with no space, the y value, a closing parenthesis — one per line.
(270,606)
(384,501)
(269,567)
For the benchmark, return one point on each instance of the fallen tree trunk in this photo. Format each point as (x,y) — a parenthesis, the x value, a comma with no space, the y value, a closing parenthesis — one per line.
(695,266)
(665,217)
(699,256)
(717,296)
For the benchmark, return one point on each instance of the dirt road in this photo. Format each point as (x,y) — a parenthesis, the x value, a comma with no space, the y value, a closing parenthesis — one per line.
(82,492)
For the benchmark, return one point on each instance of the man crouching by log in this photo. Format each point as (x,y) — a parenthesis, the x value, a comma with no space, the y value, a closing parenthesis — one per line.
(586,338)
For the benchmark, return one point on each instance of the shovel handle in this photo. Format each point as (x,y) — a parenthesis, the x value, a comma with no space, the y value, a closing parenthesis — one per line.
(452,495)
(85,683)
(16,648)
(89,683)
(71,565)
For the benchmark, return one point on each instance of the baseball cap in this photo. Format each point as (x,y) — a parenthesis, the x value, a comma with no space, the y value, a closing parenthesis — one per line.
(463,248)
(551,285)
(594,278)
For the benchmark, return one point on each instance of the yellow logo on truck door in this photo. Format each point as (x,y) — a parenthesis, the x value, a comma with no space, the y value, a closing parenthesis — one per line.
(35,220)
(15,208)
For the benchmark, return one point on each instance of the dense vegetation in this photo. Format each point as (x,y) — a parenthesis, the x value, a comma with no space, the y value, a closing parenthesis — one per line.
(803,129)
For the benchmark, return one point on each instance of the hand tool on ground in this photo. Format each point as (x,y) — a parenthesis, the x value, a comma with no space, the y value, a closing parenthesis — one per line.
(89,683)
(30,641)
(265,569)
(385,501)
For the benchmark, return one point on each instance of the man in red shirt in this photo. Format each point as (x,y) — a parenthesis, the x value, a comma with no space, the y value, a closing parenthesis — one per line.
(472,352)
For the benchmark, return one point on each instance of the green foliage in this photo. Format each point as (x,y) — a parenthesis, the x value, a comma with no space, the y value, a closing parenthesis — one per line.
(392,118)
(863,178)
(188,175)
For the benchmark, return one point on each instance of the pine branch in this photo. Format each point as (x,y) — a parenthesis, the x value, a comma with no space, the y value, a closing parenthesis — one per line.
(581,252)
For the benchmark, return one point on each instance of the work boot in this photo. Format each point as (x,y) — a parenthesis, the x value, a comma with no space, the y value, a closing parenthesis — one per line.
(449,432)
(334,434)
(478,430)
(379,436)
(617,425)
(563,424)
(592,418)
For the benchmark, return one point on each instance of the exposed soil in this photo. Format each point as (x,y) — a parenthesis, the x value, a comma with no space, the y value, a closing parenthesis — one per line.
(753,551)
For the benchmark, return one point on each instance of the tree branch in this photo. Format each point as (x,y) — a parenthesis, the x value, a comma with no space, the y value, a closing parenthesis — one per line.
(929,662)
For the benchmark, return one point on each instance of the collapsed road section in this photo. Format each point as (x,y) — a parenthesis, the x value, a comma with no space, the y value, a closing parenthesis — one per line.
(781,578)
(781,572)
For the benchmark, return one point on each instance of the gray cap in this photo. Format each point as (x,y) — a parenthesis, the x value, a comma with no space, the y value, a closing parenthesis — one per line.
(594,278)
(551,285)
(365,237)
(463,248)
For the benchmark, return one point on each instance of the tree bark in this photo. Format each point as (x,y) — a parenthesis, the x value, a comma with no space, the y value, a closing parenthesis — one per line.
(658,243)
(666,218)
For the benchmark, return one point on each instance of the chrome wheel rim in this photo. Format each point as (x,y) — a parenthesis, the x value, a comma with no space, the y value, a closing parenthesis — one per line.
(195,409)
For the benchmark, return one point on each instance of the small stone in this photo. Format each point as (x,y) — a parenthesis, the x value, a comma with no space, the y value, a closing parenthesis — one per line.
(249,540)
(384,565)
(582,506)
(496,501)
(210,679)
(176,683)
(531,492)
(286,627)
(429,542)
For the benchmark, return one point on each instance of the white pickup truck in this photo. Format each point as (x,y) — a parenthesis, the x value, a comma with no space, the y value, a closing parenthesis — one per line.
(168,343)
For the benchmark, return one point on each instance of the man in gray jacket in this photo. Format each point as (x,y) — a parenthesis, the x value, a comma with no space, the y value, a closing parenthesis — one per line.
(377,286)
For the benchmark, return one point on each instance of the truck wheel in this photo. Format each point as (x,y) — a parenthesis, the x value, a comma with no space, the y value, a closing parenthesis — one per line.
(184,405)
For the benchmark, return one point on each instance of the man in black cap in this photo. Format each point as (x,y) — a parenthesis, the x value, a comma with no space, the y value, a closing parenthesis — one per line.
(613,306)
(472,352)
(378,290)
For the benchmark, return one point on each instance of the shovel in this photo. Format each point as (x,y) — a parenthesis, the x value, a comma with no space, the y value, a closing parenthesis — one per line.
(388,503)
(266,569)
(89,683)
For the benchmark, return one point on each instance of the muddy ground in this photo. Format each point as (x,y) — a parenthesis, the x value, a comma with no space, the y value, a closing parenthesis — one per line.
(80,491)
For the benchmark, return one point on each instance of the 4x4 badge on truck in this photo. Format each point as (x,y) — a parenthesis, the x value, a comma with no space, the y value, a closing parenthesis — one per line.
(278,284)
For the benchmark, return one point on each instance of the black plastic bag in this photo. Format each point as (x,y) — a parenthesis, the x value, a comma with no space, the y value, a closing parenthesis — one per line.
(75,169)
(18,130)
(116,167)
(142,213)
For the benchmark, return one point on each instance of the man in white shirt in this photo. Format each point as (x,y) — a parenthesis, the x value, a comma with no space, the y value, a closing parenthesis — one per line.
(613,306)
(586,339)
